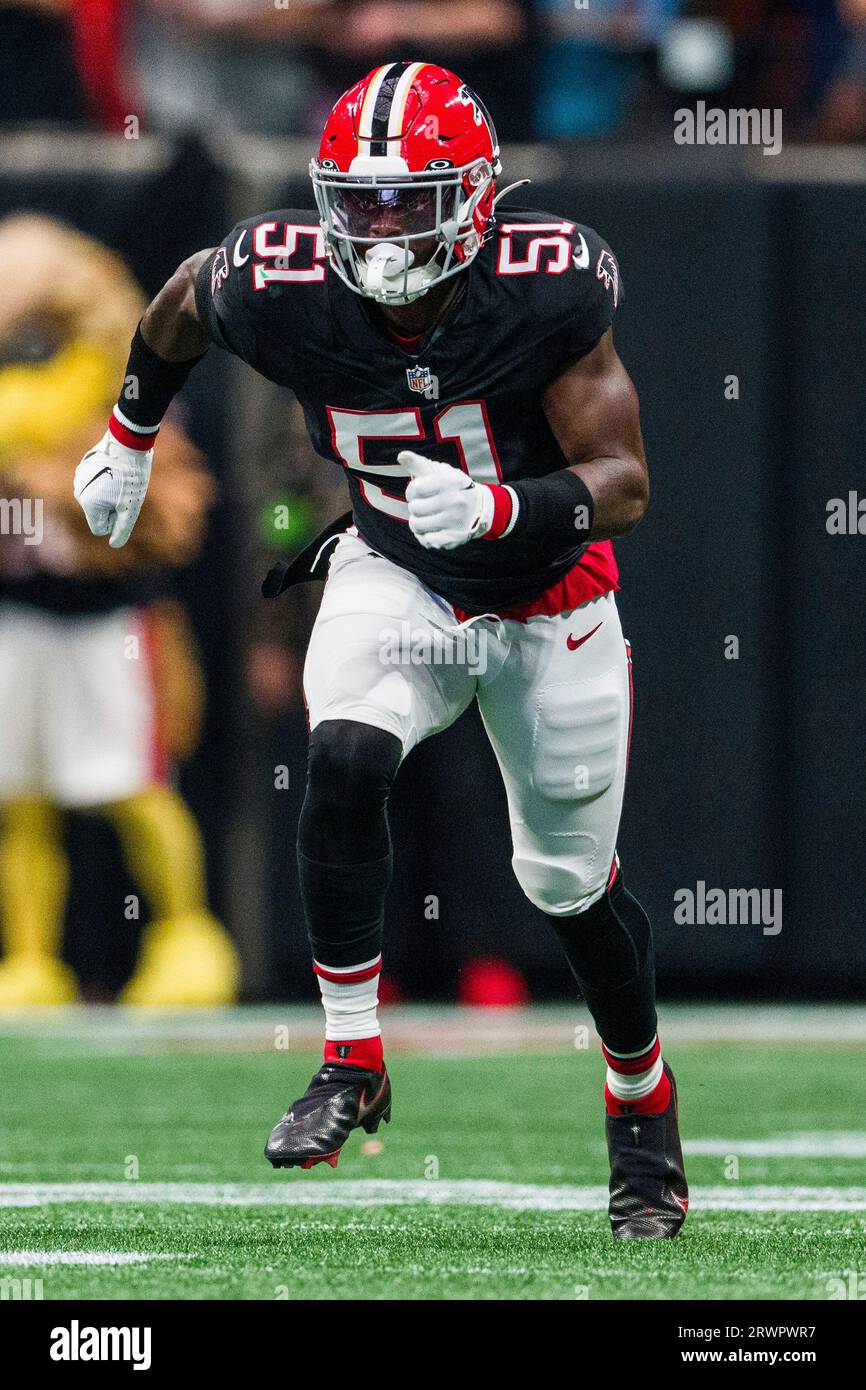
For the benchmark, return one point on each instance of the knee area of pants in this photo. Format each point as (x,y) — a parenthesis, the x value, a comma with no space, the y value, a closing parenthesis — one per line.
(577,747)
(558,891)
(351,763)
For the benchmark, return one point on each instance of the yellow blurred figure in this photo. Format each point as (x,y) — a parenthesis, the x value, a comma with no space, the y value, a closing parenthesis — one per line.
(101,690)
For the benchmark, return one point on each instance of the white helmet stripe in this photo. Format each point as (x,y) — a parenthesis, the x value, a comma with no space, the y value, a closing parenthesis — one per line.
(365,121)
(401,96)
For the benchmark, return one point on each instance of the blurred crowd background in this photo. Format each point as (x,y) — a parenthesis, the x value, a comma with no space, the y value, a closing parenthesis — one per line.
(137,131)
(551,69)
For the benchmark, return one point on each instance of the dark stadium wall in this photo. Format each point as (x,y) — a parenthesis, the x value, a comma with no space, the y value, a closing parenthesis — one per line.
(745,773)
(697,263)
(822,635)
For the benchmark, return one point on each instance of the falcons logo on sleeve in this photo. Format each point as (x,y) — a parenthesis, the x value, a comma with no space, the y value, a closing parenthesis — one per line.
(219,270)
(608,271)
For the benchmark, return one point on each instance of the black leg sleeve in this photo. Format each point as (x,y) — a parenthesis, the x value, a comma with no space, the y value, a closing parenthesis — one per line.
(344,843)
(610,950)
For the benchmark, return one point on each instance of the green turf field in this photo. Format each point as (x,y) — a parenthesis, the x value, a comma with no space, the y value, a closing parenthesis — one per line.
(131,1165)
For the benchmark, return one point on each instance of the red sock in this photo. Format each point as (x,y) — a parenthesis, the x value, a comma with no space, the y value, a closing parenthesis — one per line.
(359,1052)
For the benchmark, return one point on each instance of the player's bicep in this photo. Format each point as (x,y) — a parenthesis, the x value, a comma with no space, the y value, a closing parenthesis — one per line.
(186,275)
(592,407)
(189,271)
(171,324)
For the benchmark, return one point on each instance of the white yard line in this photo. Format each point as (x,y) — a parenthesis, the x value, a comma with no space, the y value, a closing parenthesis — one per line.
(106,1031)
(384,1192)
(24,1258)
(809,1144)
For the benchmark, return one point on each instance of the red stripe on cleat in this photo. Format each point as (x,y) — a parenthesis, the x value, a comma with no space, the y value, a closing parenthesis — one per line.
(323,1158)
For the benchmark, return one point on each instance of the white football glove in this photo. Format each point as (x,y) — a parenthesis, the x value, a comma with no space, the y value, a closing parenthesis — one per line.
(110,486)
(446,507)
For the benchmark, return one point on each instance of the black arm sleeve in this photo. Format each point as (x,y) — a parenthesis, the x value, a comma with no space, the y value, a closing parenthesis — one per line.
(558,507)
(150,384)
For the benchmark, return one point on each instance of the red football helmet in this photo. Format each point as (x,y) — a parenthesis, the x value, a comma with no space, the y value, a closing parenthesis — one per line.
(405,180)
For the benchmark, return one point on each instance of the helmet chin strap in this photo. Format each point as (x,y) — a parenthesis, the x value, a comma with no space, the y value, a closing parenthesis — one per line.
(383,273)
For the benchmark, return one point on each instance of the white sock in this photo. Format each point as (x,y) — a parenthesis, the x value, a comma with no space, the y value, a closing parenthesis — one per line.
(627,1079)
(350,997)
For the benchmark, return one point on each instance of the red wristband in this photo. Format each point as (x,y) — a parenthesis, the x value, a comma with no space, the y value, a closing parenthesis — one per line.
(502,508)
(128,438)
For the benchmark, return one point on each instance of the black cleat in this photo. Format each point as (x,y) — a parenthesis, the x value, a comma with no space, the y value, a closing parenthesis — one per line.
(649,1196)
(339,1098)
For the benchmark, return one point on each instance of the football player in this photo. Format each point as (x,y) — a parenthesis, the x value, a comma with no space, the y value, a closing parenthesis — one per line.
(457,361)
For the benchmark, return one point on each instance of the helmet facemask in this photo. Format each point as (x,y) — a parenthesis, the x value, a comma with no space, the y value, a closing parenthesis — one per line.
(392,234)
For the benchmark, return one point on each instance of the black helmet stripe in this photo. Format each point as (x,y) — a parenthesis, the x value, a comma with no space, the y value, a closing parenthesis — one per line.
(382,109)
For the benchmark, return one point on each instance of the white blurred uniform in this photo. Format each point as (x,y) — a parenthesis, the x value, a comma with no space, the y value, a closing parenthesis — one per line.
(79,722)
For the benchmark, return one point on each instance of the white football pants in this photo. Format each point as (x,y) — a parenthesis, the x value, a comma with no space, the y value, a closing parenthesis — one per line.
(554,695)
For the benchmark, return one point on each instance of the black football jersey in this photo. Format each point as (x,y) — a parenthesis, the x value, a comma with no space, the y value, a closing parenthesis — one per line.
(539,294)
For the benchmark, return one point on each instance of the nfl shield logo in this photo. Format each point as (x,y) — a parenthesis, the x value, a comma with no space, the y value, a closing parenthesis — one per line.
(419,378)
